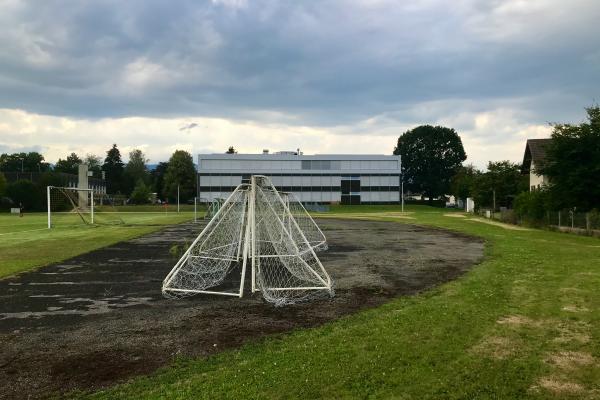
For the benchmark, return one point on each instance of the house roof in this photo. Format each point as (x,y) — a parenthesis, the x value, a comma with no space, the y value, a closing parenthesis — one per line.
(535,150)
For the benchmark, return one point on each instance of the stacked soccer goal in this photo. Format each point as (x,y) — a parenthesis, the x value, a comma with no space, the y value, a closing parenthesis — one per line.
(258,225)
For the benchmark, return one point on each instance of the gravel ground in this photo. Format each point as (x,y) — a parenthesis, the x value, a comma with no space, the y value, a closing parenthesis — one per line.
(99,318)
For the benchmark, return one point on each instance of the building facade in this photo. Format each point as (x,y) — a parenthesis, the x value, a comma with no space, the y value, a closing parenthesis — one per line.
(535,155)
(325,178)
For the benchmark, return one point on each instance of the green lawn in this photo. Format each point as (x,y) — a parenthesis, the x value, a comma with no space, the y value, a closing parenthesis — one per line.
(525,323)
(26,243)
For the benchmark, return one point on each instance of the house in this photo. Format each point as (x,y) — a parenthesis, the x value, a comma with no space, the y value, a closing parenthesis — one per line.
(535,155)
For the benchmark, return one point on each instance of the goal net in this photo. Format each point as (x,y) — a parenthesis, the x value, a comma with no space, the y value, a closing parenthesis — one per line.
(69,206)
(257,224)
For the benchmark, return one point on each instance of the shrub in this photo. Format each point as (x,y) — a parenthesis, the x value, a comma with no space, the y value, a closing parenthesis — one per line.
(531,206)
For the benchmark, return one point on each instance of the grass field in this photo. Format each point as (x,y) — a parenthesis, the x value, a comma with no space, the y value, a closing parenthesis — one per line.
(523,324)
(27,243)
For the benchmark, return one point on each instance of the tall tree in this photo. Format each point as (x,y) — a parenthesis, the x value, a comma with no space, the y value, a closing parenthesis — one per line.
(94,164)
(70,165)
(180,172)
(3,184)
(573,163)
(27,162)
(502,179)
(431,155)
(158,176)
(463,182)
(136,170)
(113,166)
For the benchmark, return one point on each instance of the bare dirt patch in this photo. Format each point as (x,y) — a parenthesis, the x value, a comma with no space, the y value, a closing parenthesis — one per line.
(498,347)
(99,318)
(559,386)
(571,359)
(499,224)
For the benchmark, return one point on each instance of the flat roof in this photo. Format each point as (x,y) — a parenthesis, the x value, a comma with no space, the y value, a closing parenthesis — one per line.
(273,156)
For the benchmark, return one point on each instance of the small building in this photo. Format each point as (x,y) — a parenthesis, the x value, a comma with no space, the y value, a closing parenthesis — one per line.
(324,178)
(535,155)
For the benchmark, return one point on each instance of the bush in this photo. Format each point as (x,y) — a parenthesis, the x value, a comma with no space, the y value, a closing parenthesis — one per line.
(3,184)
(26,193)
(532,206)
(141,193)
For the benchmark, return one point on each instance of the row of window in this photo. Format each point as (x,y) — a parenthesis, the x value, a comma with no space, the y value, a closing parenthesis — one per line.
(286,165)
(309,189)
(352,176)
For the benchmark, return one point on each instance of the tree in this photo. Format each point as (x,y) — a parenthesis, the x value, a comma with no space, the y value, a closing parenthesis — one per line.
(94,164)
(136,169)
(29,162)
(180,172)
(431,155)
(573,163)
(157,176)
(113,166)
(231,150)
(70,165)
(462,184)
(141,193)
(502,178)
(3,184)
(27,193)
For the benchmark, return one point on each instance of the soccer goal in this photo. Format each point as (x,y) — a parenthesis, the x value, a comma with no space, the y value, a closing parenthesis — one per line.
(69,206)
(259,225)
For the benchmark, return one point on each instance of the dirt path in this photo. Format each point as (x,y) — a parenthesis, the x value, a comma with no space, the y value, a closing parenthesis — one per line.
(99,318)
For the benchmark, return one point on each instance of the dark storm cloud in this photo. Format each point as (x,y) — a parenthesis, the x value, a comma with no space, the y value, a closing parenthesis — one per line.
(321,63)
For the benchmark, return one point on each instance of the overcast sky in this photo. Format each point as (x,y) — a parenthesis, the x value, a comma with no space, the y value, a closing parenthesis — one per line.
(323,76)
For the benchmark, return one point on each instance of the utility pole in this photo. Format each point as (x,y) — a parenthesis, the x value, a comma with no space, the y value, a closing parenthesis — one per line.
(177,198)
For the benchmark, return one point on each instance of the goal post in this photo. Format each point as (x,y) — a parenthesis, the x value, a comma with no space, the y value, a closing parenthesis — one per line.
(70,204)
(272,232)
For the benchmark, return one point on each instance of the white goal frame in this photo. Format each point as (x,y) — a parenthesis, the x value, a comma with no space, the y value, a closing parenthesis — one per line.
(49,201)
(275,242)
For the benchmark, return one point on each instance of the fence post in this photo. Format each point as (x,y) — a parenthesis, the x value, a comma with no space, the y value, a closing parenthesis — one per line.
(587,221)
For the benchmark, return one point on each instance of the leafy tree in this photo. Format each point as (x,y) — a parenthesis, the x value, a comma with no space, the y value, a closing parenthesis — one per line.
(94,164)
(27,193)
(141,193)
(3,184)
(157,176)
(70,165)
(181,171)
(573,163)
(431,155)
(462,184)
(503,178)
(136,169)
(29,162)
(231,150)
(113,166)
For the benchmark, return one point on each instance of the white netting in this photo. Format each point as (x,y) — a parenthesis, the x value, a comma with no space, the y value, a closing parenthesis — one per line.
(213,208)
(255,223)
(286,266)
(69,206)
(307,225)
(216,251)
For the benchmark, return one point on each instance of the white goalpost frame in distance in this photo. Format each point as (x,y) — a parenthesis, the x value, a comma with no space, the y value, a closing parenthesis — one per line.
(49,201)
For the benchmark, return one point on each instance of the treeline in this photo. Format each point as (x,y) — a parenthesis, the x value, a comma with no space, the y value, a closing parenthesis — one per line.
(572,166)
(432,164)
(132,180)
